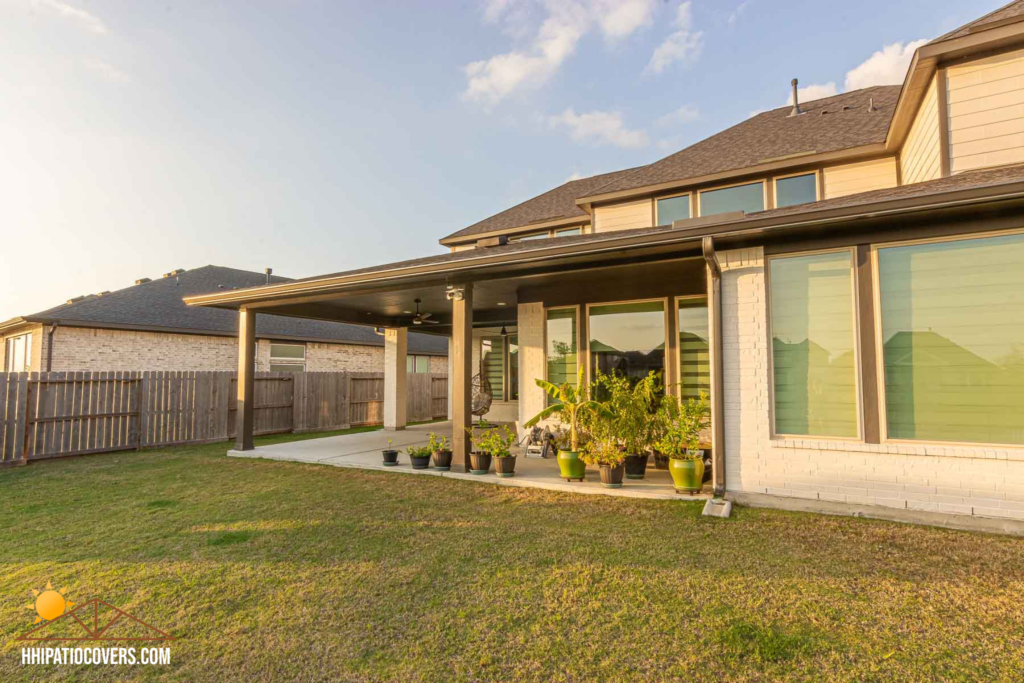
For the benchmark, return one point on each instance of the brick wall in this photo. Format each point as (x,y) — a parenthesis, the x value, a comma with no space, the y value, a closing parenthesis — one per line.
(982,481)
(531,360)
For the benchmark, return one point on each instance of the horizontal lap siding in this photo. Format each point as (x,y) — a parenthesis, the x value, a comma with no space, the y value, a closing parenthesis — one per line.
(864,176)
(920,157)
(986,112)
(624,216)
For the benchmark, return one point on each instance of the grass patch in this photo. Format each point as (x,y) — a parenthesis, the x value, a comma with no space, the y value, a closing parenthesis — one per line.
(268,570)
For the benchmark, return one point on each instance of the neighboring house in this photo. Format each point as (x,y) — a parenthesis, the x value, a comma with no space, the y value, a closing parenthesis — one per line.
(148,327)
(846,277)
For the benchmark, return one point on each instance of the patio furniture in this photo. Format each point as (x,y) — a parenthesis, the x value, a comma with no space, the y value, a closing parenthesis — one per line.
(482,393)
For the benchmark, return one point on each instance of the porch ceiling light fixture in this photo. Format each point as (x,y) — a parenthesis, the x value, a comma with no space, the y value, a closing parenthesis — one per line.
(504,332)
(455,293)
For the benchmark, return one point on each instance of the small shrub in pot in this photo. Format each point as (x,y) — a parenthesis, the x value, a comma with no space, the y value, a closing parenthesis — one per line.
(442,452)
(390,455)
(419,456)
(608,456)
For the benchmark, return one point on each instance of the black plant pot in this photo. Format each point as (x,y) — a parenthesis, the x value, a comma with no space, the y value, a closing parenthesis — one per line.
(611,477)
(505,467)
(390,457)
(443,460)
(660,461)
(636,466)
(420,462)
(479,463)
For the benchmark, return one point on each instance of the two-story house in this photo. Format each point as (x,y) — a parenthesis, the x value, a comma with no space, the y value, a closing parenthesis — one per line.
(844,276)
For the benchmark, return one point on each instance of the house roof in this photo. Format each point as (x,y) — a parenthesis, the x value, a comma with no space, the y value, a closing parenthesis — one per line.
(827,125)
(554,204)
(1007,14)
(158,304)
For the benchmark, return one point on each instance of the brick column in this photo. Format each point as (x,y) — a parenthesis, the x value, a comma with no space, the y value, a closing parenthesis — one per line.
(396,344)
(532,398)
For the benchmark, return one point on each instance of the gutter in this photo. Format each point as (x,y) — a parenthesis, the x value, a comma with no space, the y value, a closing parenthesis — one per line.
(49,347)
(714,273)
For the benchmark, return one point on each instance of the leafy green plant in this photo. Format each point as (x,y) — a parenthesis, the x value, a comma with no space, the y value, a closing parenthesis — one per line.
(389,448)
(572,404)
(438,443)
(681,424)
(633,407)
(419,451)
(497,444)
(603,452)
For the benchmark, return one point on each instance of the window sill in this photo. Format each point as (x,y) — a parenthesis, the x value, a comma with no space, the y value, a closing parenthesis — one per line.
(927,449)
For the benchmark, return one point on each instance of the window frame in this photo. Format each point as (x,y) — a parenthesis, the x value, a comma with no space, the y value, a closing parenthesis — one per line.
(816,172)
(277,360)
(773,433)
(579,341)
(688,193)
(666,304)
(876,281)
(546,233)
(9,352)
(764,194)
(677,360)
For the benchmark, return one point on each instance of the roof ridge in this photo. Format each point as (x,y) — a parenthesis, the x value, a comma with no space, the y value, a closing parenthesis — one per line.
(976,22)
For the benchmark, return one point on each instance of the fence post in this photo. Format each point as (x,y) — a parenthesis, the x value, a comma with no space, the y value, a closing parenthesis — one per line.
(348,399)
(21,421)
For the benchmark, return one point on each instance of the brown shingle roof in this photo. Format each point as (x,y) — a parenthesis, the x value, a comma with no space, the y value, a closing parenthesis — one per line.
(1005,14)
(827,125)
(552,205)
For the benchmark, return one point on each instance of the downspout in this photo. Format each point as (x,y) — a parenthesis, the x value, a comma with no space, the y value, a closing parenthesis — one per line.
(714,276)
(49,347)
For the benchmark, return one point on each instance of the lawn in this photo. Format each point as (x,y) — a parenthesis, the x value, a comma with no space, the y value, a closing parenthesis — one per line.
(282,571)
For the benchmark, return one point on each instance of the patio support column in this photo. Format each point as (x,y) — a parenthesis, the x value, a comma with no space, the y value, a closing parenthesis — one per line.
(714,285)
(396,345)
(246,380)
(462,371)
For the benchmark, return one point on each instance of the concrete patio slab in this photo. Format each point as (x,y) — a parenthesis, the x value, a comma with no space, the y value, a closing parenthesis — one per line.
(363,451)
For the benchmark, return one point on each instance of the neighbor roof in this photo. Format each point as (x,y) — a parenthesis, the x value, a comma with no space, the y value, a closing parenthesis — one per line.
(158,304)
(1007,14)
(827,125)
(552,205)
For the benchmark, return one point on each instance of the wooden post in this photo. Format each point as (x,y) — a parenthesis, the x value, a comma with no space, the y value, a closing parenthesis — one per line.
(246,379)
(462,372)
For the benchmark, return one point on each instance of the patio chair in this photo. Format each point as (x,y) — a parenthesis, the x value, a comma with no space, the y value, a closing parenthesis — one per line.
(483,396)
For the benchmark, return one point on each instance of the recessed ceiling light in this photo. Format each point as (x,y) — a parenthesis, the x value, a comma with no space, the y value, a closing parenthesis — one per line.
(407,312)
(501,303)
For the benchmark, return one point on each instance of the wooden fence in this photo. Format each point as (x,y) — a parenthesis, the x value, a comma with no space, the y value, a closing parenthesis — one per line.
(56,414)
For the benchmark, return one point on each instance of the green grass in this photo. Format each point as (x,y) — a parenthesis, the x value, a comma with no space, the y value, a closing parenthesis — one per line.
(275,571)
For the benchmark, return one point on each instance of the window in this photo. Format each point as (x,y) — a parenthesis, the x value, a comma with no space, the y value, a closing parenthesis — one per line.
(798,189)
(627,339)
(18,353)
(287,358)
(694,348)
(952,339)
(561,345)
(513,367)
(566,232)
(532,236)
(813,345)
(492,355)
(748,198)
(417,364)
(672,209)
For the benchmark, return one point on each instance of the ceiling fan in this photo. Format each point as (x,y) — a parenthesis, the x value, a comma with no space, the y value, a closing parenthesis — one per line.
(421,318)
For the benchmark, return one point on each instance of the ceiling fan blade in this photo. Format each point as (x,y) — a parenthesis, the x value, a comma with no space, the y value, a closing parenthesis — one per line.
(424,316)
(431,322)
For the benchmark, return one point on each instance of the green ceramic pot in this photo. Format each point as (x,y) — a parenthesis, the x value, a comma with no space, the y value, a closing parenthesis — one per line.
(570,465)
(687,475)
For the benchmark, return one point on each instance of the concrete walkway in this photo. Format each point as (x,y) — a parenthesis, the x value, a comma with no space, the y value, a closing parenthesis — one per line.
(363,451)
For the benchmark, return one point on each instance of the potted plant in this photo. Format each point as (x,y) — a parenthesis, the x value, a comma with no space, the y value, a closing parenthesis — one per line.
(442,451)
(500,448)
(633,407)
(419,456)
(390,455)
(681,442)
(480,455)
(572,403)
(609,457)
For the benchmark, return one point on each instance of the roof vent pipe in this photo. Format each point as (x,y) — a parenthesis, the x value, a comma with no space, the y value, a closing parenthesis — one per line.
(269,272)
(871,104)
(796,101)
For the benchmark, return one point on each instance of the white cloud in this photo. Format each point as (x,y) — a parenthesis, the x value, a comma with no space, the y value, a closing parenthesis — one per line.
(685,114)
(599,128)
(888,66)
(737,13)
(565,23)
(90,22)
(106,71)
(755,112)
(684,45)
(576,175)
(814,91)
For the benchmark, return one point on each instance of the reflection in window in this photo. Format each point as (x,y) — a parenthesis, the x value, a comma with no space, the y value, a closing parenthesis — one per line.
(694,349)
(492,353)
(287,358)
(565,232)
(748,198)
(417,364)
(801,189)
(953,340)
(561,345)
(673,209)
(628,339)
(533,236)
(513,367)
(813,347)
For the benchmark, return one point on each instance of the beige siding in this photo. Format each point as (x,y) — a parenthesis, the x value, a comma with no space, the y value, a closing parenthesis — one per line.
(624,216)
(920,156)
(863,176)
(986,112)
(463,247)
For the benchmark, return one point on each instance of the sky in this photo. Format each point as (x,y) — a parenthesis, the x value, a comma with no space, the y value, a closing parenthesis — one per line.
(138,137)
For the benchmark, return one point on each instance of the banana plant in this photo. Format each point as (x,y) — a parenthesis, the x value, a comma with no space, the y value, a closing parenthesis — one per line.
(571,403)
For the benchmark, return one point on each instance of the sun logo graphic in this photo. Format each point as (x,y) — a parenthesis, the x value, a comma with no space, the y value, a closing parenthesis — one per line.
(49,603)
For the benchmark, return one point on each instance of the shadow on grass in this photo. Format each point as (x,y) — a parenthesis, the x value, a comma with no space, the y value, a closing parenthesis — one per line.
(769,644)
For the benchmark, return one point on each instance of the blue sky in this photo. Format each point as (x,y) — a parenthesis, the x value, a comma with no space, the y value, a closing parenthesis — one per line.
(313,137)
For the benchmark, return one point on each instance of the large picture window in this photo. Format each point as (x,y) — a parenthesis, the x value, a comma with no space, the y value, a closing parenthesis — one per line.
(672,209)
(952,336)
(748,198)
(813,345)
(561,345)
(627,339)
(797,189)
(694,348)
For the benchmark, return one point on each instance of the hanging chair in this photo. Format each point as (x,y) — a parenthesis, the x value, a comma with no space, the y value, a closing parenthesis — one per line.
(482,394)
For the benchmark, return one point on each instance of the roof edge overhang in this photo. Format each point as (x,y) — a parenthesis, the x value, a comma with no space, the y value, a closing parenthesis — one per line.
(20,321)
(454,239)
(785,163)
(928,58)
(478,265)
